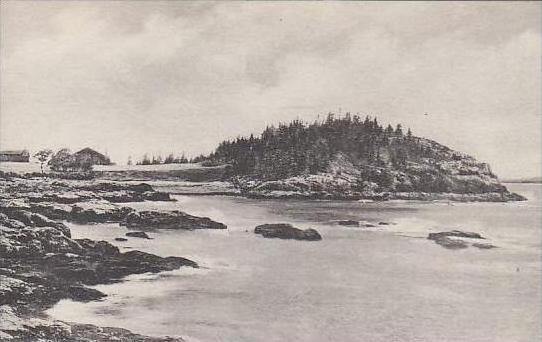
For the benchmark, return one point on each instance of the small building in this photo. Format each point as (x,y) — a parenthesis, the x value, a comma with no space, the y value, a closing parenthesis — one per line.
(96,157)
(21,156)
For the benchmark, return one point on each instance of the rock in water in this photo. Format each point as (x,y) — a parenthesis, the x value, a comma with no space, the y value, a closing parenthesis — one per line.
(287,231)
(348,223)
(484,245)
(448,239)
(454,233)
(449,243)
(142,235)
(169,220)
(121,239)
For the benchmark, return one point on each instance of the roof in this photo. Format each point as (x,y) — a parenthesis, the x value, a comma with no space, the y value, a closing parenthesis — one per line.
(14,152)
(88,150)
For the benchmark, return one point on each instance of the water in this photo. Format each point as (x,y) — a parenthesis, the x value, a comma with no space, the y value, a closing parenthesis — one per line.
(381,284)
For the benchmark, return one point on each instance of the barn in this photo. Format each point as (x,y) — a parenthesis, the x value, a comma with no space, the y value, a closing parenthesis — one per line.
(21,156)
(96,157)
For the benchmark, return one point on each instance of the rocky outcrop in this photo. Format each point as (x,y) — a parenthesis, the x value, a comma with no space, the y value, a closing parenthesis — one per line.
(450,177)
(454,233)
(40,264)
(169,220)
(340,187)
(45,190)
(141,235)
(286,231)
(451,240)
(449,243)
(348,223)
(97,212)
(44,213)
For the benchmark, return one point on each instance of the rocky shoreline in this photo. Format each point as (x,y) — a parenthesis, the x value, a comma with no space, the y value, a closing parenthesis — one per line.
(384,196)
(40,263)
(335,186)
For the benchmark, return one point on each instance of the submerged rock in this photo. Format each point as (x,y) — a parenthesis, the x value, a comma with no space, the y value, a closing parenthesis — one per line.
(484,245)
(141,235)
(169,220)
(384,223)
(287,231)
(121,239)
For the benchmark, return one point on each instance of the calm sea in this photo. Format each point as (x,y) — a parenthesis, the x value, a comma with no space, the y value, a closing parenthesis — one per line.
(382,284)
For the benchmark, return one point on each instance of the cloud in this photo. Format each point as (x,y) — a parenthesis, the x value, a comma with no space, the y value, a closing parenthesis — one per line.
(135,77)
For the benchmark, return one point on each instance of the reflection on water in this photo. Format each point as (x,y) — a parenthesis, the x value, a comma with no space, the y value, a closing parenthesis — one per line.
(386,283)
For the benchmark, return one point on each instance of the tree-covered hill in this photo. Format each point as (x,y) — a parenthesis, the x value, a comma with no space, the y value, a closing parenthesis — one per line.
(351,156)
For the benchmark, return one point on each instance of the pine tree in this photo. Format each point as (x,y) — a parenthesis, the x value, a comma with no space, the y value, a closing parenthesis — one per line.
(399,130)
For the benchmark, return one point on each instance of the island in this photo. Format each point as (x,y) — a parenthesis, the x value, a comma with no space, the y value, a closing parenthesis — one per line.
(349,158)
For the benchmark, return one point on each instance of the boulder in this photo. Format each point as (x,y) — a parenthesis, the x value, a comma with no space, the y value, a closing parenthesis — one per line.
(169,220)
(141,235)
(287,231)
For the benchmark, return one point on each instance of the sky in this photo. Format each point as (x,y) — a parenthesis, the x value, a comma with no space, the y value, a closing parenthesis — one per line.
(129,77)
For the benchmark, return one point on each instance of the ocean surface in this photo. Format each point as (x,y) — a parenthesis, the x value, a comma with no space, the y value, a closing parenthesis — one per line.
(382,284)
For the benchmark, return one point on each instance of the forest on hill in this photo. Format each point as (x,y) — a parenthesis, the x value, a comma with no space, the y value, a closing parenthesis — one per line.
(297,148)
(350,155)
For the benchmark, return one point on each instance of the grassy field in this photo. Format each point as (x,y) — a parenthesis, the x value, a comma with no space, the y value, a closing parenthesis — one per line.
(183,172)
(20,167)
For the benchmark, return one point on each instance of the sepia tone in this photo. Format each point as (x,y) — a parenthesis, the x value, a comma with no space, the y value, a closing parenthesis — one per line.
(270,171)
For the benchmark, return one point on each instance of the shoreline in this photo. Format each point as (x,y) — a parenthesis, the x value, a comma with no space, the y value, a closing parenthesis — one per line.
(41,264)
(39,257)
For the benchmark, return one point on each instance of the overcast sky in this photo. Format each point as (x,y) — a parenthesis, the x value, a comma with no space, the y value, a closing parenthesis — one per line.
(134,77)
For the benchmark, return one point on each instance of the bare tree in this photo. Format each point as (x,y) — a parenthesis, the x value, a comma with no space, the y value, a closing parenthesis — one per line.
(43,156)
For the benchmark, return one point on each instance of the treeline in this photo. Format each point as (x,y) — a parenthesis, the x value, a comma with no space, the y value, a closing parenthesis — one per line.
(64,160)
(297,147)
(169,159)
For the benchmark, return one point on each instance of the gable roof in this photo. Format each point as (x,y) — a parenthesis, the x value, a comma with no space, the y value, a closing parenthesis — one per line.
(88,150)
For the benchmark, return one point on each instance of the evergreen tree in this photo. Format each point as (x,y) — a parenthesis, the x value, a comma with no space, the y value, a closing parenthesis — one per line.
(399,130)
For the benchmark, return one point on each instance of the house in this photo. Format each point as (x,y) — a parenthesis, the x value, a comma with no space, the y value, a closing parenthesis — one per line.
(15,156)
(96,157)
